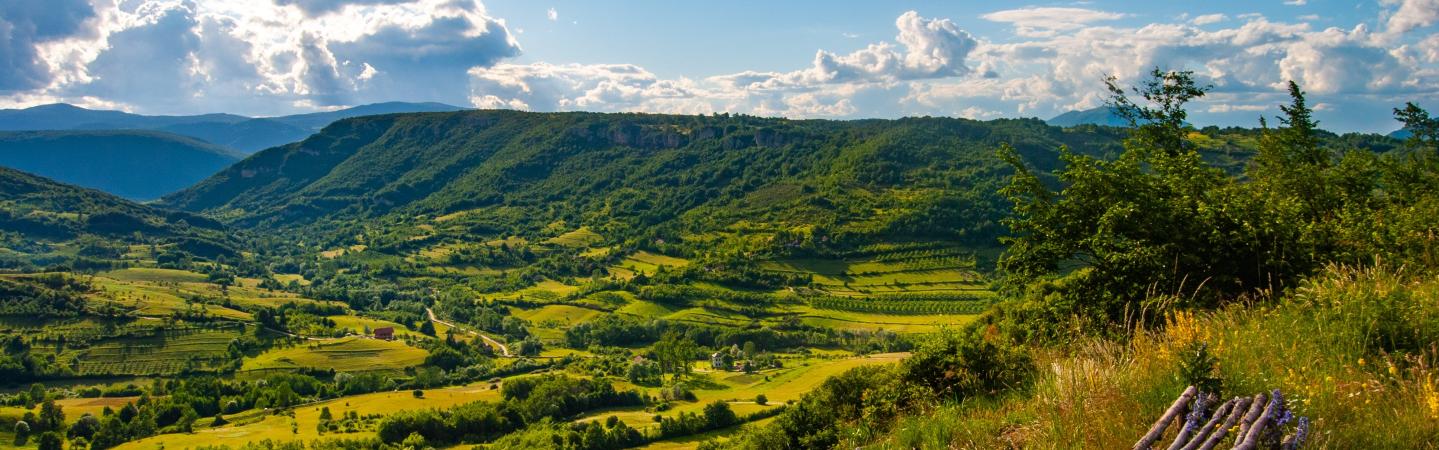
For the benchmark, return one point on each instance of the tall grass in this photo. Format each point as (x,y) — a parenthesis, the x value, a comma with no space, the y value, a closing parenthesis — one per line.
(1353,349)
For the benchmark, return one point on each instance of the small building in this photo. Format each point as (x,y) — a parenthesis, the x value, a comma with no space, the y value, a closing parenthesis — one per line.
(386,333)
(717,361)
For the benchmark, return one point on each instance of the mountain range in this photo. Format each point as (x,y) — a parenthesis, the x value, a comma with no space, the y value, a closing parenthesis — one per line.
(627,174)
(244,134)
(135,164)
(1103,115)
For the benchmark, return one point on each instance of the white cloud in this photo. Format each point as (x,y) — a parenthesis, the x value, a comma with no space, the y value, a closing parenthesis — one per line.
(552,15)
(1049,21)
(255,56)
(598,87)
(1208,19)
(1296,2)
(1411,14)
(273,56)
(931,48)
(25,25)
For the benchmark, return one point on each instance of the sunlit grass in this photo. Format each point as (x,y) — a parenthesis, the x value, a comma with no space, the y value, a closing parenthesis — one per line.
(1353,350)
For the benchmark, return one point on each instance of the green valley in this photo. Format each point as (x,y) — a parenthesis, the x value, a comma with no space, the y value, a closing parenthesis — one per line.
(506,279)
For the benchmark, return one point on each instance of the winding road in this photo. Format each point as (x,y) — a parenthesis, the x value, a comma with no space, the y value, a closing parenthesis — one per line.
(504,350)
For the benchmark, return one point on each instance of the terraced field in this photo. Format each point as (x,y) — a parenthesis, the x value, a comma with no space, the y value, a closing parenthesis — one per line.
(154,275)
(350,354)
(579,238)
(171,350)
(647,263)
(158,299)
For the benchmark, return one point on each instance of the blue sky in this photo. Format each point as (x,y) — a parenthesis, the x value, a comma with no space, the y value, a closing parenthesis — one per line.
(803,59)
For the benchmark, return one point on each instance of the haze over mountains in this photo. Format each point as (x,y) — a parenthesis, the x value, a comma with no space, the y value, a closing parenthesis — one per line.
(245,134)
(1103,115)
(135,164)
(143,157)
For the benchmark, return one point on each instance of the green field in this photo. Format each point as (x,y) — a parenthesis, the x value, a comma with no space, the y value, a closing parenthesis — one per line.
(278,427)
(647,263)
(158,299)
(555,316)
(151,349)
(155,275)
(357,325)
(800,375)
(352,354)
(579,238)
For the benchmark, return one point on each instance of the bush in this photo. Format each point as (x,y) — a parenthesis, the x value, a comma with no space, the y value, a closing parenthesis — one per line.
(960,364)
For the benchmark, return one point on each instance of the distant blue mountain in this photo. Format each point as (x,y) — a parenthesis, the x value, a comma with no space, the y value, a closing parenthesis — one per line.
(1103,115)
(1402,133)
(245,134)
(135,164)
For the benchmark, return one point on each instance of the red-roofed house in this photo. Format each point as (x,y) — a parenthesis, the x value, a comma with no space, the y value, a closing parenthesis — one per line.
(386,333)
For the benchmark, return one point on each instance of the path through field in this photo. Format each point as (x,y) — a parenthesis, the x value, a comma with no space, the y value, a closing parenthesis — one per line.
(505,350)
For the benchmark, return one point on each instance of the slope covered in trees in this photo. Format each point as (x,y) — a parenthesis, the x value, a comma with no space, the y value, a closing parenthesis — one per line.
(626,174)
(43,222)
(139,165)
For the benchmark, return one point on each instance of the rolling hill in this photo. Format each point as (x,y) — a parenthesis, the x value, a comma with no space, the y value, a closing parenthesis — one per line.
(1096,116)
(623,173)
(139,165)
(45,222)
(241,133)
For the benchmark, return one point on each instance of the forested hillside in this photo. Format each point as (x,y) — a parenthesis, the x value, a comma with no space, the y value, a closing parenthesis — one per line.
(629,174)
(139,165)
(45,223)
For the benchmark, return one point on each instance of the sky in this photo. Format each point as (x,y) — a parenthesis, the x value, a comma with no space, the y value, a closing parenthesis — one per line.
(798,59)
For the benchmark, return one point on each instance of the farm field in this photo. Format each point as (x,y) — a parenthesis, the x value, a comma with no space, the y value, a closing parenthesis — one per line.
(150,299)
(647,263)
(901,323)
(578,238)
(98,348)
(357,325)
(345,354)
(800,375)
(301,427)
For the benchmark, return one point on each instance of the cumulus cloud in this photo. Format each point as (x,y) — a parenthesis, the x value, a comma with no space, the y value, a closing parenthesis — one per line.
(928,48)
(934,67)
(1049,21)
(25,24)
(1208,19)
(924,49)
(594,87)
(552,15)
(1411,14)
(318,7)
(259,56)
(255,56)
